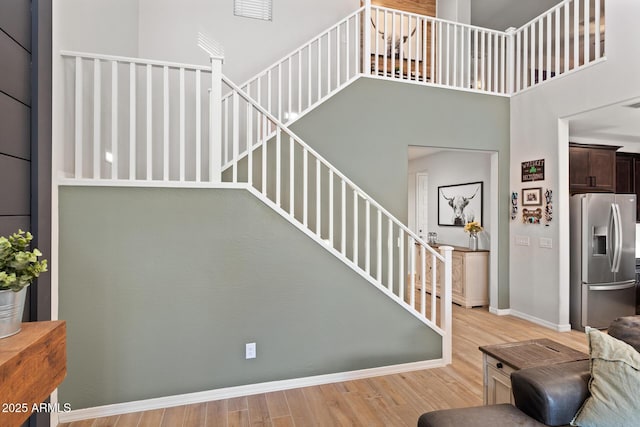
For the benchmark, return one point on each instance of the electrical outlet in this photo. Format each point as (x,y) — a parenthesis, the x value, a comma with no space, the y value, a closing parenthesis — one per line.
(250,350)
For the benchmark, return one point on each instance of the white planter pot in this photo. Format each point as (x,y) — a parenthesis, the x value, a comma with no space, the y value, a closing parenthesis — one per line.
(11,309)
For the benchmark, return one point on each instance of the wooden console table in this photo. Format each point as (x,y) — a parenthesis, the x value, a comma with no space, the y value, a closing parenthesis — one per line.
(32,364)
(500,360)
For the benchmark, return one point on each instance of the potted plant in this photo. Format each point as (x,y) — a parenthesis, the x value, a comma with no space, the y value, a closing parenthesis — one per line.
(473,228)
(18,268)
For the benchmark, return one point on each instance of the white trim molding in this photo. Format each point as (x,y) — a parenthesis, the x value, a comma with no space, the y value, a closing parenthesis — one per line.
(541,322)
(243,390)
(500,311)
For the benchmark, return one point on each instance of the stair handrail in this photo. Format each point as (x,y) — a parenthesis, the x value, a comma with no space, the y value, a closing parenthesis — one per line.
(337,172)
(295,51)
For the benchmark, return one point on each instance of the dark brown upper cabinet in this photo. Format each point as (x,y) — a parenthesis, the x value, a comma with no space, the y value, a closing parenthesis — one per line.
(592,168)
(628,176)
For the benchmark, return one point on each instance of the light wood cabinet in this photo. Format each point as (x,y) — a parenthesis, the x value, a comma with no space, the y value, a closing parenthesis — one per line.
(469,276)
(497,381)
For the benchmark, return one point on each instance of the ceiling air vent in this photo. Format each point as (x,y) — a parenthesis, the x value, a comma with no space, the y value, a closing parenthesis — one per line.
(635,105)
(257,9)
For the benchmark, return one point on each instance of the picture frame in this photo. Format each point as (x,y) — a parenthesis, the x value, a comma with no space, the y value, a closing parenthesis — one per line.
(391,32)
(532,196)
(459,204)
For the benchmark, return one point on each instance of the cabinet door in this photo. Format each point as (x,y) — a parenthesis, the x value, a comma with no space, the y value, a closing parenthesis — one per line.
(498,387)
(625,180)
(579,173)
(457,274)
(636,164)
(603,164)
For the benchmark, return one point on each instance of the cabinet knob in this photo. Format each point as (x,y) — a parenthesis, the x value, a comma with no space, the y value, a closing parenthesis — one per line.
(499,365)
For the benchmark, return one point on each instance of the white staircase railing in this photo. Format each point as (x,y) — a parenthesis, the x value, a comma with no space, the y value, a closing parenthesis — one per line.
(567,37)
(309,74)
(392,44)
(408,46)
(308,190)
(138,120)
(141,122)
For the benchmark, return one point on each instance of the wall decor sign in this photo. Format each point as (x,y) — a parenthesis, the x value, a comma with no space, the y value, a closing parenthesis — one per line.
(533,170)
(459,204)
(514,205)
(532,196)
(531,216)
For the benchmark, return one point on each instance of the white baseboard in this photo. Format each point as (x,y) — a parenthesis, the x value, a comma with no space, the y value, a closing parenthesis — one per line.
(541,322)
(500,311)
(243,390)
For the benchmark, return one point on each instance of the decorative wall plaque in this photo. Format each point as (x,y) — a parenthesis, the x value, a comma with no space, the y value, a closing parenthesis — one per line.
(533,170)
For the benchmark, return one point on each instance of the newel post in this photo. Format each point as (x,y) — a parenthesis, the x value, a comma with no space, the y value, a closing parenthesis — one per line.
(445,306)
(215,121)
(366,34)
(511,60)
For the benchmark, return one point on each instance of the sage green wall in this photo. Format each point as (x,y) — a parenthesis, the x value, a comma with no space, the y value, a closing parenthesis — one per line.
(365,131)
(162,288)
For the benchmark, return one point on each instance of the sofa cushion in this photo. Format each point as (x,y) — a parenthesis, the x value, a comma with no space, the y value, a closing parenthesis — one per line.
(614,384)
(626,329)
(478,416)
(551,394)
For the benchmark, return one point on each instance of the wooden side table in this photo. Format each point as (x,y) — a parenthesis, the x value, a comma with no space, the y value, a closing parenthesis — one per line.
(500,360)
(32,364)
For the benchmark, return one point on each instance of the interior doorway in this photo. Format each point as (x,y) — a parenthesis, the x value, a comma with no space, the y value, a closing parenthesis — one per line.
(433,167)
(422,198)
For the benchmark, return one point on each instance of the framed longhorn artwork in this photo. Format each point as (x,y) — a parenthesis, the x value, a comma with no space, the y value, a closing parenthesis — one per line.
(459,204)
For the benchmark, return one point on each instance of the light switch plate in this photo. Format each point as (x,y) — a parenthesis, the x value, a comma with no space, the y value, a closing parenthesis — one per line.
(546,242)
(522,240)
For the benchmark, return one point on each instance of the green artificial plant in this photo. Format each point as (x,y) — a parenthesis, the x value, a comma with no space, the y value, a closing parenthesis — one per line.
(18,266)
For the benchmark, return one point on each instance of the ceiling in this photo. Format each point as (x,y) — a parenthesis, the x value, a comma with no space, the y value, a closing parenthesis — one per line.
(615,124)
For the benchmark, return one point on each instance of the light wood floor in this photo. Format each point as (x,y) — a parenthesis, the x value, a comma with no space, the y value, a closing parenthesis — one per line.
(392,400)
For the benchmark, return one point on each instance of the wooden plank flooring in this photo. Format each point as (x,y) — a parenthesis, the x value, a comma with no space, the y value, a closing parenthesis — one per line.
(391,400)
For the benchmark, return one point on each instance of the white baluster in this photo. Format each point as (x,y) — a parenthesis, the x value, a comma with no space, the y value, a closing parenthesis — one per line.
(165,139)
(318,198)
(305,187)
(278,166)
(182,153)
(97,120)
(132,121)
(198,126)
(114,119)
(355,227)
(343,216)
(587,21)
(78,138)
(149,167)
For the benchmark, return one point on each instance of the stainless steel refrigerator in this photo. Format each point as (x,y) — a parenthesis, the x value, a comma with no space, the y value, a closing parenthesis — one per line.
(603,233)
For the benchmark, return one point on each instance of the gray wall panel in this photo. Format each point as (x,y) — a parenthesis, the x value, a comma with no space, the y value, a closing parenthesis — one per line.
(14,128)
(14,69)
(15,190)
(15,20)
(365,131)
(11,224)
(162,288)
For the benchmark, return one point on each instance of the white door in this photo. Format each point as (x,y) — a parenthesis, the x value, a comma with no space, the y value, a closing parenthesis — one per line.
(421,205)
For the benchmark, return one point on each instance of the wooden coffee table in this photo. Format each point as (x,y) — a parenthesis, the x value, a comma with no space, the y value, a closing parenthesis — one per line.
(500,360)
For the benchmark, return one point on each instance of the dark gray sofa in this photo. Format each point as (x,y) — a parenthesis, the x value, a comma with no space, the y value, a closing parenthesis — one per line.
(544,396)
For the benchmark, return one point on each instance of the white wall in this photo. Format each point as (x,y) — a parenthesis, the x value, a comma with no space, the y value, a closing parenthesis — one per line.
(96,26)
(447,168)
(169,30)
(539,278)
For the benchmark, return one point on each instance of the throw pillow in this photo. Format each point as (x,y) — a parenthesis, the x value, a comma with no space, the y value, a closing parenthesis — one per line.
(614,384)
